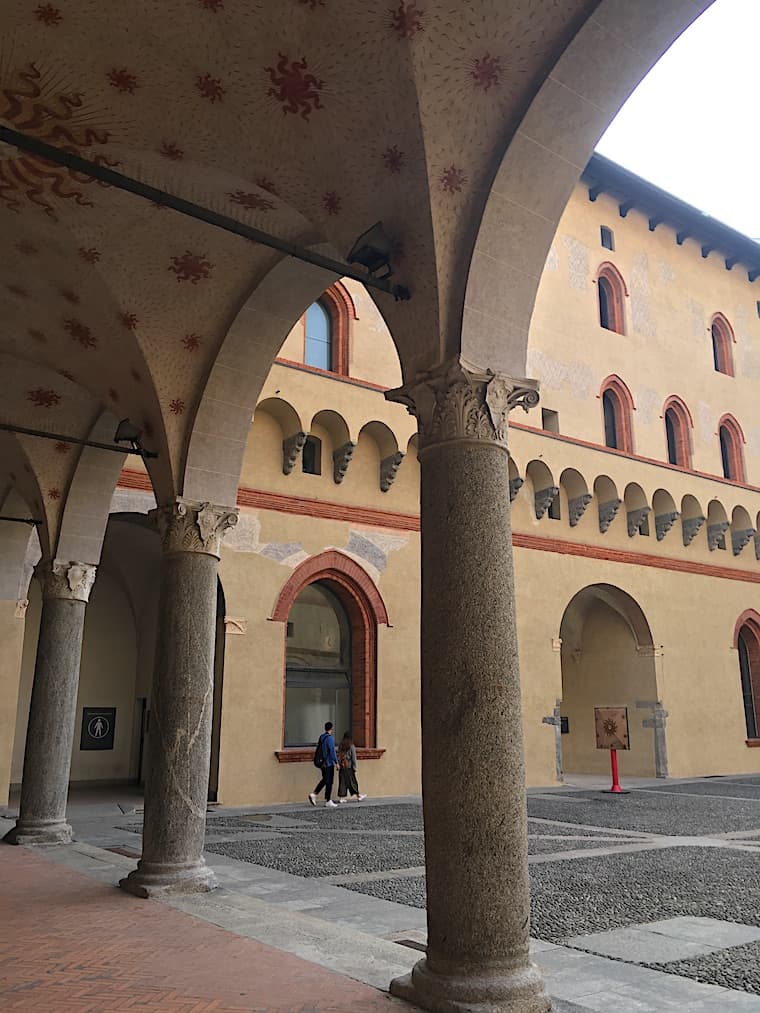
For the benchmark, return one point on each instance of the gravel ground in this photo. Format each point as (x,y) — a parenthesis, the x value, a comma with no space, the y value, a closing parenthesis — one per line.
(718,789)
(537,829)
(737,967)
(323,854)
(361,816)
(652,812)
(542,846)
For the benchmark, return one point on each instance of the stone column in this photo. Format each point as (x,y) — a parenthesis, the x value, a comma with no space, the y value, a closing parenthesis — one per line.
(179,736)
(473,774)
(52,712)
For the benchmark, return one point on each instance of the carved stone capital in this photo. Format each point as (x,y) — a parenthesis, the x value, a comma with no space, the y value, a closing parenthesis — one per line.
(341,460)
(291,449)
(456,403)
(185,526)
(389,469)
(72,581)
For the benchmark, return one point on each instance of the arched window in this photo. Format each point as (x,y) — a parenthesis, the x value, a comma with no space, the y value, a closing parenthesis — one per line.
(311,456)
(731,439)
(611,292)
(317,666)
(327,325)
(617,405)
(678,421)
(747,643)
(319,338)
(722,339)
(331,609)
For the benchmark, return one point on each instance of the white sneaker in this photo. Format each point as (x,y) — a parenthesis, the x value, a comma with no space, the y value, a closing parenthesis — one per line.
(312,798)
(360,798)
(331,805)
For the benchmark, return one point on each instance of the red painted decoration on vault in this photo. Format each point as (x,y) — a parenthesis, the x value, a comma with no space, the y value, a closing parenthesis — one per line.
(406,20)
(129,320)
(80,332)
(293,87)
(331,202)
(89,254)
(393,158)
(452,179)
(171,151)
(122,80)
(43,397)
(54,493)
(192,342)
(177,406)
(192,267)
(486,72)
(48,14)
(62,448)
(251,201)
(211,88)
(264,183)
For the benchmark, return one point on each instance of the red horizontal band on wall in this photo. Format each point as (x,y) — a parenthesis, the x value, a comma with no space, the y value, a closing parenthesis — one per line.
(410,522)
(307,755)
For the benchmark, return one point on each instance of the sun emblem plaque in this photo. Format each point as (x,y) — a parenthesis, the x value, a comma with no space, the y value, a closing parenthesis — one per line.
(611,725)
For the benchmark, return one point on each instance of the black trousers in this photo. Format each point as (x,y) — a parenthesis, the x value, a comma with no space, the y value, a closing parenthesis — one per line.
(347,783)
(328,776)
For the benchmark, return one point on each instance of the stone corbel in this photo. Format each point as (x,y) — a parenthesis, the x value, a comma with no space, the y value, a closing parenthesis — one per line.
(608,513)
(543,499)
(291,450)
(21,606)
(235,625)
(341,460)
(690,527)
(389,469)
(716,535)
(515,485)
(636,519)
(576,507)
(741,538)
(664,522)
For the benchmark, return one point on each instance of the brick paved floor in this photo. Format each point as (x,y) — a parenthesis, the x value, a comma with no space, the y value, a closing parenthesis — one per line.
(69,943)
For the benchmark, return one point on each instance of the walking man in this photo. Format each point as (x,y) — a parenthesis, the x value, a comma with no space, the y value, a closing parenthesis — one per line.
(326,758)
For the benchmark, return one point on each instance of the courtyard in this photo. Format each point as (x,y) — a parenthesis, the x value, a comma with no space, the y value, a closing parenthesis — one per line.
(644,901)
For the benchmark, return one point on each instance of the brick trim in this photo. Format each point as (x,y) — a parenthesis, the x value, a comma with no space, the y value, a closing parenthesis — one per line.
(329,564)
(682,422)
(623,405)
(722,336)
(748,616)
(617,290)
(261,500)
(335,377)
(736,439)
(301,755)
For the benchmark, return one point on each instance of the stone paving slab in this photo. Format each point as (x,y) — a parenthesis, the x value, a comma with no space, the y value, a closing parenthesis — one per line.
(640,946)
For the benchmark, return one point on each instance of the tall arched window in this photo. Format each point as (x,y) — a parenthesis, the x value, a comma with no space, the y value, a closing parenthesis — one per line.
(747,643)
(722,339)
(731,439)
(611,292)
(317,666)
(677,424)
(617,405)
(331,609)
(319,338)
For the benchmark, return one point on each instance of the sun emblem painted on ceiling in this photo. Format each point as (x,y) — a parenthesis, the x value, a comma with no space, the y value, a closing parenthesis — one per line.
(486,72)
(51,118)
(298,91)
(406,20)
(43,397)
(250,201)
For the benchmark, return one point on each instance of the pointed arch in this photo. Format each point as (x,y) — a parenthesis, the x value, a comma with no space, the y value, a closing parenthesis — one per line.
(617,405)
(747,643)
(678,423)
(731,440)
(611,293)
(722,335)
(327,330)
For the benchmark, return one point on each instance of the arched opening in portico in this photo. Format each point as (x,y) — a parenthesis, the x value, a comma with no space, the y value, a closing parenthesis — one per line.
(608,660)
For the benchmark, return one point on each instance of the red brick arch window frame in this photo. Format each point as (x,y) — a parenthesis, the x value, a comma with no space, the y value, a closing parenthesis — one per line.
(357,593)
(611,281)
(723,338)
(682,423)
(735,455)
(624,406)
(748,627)
(340,308)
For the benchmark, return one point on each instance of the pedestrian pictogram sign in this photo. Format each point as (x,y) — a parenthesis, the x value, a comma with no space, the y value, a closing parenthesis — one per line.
(98,726)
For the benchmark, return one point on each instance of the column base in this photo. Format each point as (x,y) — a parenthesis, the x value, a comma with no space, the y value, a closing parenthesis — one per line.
(521,991)
(40,832)
(159,879)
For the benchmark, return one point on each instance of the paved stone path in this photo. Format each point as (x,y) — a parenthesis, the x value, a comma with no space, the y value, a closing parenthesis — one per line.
(71,943)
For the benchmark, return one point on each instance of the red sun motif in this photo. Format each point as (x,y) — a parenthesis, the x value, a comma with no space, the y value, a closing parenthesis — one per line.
(28,249)
(251,201)
(177,406)
(129,320)
(70,296)
(406,20)
(393,158)
(331,202)
(264,183)
(211,88)
(122,80)
(192,342)
(43,397)
(62,448)
(37,335)
(486,72)
(192,267)
(89,254)
(295,89)
(54,493)
(452,180)
(80,332)
(171,151)
(48,15)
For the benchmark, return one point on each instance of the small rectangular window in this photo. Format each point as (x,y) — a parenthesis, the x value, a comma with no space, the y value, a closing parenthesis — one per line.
(554,510)
(549,420)
(608,238)
(311,456)
(644,528)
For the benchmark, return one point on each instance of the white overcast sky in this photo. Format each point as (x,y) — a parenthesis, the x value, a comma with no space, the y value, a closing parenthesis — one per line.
(692,127)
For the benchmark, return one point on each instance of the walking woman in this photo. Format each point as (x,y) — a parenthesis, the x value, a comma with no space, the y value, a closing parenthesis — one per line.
(347,783)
